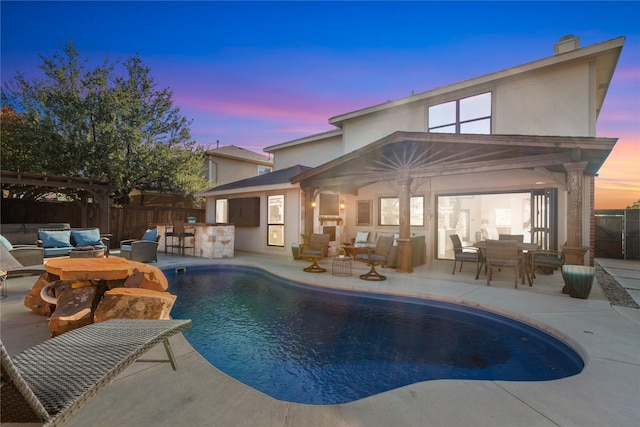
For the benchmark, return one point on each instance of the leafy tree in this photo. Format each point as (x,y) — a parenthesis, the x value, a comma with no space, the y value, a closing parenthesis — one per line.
(93,122)
(635,205)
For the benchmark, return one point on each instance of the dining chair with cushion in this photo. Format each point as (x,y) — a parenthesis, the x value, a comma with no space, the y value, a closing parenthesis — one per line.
(547,261)
(505,253)
(376,256)
(516,237)
(464,254)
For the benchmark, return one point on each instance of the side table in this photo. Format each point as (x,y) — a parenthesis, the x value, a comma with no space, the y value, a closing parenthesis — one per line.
(341,266)
(95,253)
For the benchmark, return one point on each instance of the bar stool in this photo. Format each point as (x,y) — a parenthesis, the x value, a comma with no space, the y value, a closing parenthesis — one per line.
(179,232)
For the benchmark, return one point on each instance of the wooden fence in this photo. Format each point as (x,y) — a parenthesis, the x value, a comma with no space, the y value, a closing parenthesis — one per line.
(127,222)
(618,234)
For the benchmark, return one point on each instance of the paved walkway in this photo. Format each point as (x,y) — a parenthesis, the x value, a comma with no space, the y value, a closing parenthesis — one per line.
(605,393)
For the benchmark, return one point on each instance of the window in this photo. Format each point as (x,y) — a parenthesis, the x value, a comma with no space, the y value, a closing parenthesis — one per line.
(390,211)
(221,211)
(466,115)
(275,220)
(263,169)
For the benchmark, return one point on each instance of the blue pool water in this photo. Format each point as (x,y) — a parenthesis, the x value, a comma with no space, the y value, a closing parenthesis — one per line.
(307,345)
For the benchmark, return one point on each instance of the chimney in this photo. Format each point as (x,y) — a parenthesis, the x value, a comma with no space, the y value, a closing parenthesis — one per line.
(566,44)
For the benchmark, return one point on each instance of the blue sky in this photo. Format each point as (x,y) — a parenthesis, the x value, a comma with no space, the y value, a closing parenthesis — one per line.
(255,74)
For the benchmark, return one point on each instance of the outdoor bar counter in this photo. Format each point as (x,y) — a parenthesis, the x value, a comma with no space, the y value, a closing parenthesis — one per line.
(210,240)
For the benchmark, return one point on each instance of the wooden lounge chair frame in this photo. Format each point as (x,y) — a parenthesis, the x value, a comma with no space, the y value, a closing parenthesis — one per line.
(51,381)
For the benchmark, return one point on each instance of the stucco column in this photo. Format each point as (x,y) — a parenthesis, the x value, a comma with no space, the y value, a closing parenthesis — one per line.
(405,255)
(307,209)
(575,249)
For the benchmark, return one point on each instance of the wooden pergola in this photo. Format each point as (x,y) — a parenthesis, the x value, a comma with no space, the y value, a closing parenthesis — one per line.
(84,188)
(408,160)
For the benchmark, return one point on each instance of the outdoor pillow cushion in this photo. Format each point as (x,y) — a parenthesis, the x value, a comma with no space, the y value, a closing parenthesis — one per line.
(7,244)
(362,236)
(55,239)
(86,237)
(151,235)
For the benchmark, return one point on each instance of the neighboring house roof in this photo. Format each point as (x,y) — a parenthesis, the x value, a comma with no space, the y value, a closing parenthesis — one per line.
(235,152)
(315,137)
(277,178)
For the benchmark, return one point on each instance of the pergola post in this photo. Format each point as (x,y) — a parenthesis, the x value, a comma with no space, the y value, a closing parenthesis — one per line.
(405,256)
(575,249)
(308,210)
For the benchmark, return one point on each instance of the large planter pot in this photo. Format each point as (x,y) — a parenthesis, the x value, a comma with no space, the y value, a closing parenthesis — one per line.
(295,251)
(579,280)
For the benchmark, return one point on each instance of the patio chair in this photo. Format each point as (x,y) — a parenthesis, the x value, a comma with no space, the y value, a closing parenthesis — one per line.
(376,256)
(51,381)
(547,261)
(13,267)
(26,255)
(504,253)
(465,253)
(317,248)
(143,250)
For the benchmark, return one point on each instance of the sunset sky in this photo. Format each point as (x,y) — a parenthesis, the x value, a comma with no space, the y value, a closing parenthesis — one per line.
(255,74)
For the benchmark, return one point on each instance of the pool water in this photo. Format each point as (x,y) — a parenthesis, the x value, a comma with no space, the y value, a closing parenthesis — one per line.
(307,345)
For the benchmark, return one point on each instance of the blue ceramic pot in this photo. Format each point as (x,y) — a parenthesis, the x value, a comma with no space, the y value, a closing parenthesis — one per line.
(579,280)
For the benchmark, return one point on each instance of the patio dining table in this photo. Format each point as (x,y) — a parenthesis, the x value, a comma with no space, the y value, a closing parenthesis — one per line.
(529,248)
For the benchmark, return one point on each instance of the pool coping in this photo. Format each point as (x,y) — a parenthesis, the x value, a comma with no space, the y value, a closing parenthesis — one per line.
(607,392)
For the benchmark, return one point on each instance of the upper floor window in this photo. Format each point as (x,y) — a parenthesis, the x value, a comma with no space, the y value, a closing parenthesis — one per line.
(466,115)
(263,169)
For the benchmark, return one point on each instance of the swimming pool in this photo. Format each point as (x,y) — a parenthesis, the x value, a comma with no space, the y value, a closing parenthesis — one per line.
(303,344)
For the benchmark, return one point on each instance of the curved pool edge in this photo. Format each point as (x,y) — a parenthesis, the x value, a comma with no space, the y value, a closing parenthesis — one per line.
(316,280)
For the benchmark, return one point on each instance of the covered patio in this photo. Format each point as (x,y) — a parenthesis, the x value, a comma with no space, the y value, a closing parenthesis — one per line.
(409,162)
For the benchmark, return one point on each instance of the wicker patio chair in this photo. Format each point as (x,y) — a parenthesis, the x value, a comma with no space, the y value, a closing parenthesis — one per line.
(504,253)
(51,381)
(142,250)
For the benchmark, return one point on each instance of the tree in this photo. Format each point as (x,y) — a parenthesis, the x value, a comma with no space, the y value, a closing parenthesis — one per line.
(635,205)
(96,122)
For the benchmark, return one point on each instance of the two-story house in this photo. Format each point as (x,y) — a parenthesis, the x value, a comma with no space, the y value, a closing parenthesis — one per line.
(511,152)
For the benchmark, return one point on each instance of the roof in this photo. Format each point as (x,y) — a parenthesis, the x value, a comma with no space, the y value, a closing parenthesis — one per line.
(604,55)
(279,177)
(422,155)
(310,138)
(235,152)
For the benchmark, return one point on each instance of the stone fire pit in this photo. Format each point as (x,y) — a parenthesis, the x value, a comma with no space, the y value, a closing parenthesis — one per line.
(78,291)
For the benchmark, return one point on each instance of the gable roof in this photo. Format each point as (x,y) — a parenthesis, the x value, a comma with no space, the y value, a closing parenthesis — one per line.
(604,55)
(277,178)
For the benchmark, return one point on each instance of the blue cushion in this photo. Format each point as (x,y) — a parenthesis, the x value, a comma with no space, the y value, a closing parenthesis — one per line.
(7,244)
(86,237)
(151,235)
(57,251)
(125,248)
(55,239)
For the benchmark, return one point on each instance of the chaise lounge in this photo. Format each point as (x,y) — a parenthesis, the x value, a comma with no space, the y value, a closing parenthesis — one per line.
(51,381)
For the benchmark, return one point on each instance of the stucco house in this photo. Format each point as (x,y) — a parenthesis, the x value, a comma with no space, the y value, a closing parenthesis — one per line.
(511,152)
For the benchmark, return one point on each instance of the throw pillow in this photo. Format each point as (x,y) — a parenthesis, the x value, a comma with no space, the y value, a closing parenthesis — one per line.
(55,239)
(362,237)
(151,235)
(86,237)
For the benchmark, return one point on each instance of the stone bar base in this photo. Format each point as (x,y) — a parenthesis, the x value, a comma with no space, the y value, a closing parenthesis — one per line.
(210,241)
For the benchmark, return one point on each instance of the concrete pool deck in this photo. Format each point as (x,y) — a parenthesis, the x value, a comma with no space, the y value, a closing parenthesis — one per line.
(606,393)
